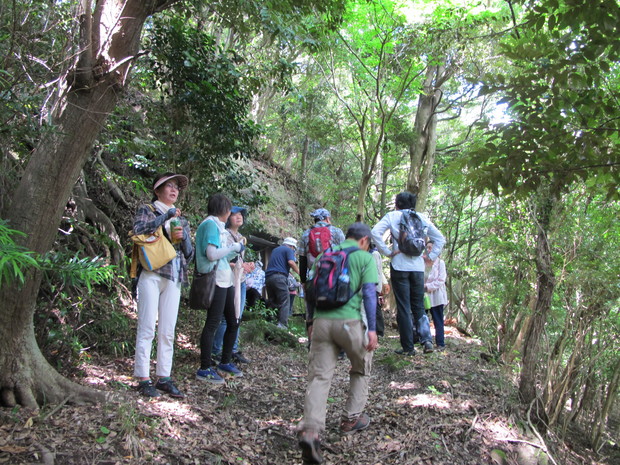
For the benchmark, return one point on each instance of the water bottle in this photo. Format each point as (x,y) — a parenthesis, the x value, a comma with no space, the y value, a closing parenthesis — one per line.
(319,246)
(344,286)
(174,223)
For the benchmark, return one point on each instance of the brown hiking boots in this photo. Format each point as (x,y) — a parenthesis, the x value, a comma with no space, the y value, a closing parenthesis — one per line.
(357,424)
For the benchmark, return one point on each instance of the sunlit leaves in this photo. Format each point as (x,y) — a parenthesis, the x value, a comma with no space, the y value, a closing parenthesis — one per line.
(561,97)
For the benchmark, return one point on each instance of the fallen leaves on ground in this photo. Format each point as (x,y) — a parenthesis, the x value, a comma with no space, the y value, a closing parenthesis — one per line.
(448,407)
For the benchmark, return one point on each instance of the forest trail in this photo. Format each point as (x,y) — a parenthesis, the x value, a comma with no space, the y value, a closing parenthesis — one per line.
(450,407)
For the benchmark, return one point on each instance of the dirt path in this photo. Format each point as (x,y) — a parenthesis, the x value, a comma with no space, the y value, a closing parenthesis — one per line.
(448,407)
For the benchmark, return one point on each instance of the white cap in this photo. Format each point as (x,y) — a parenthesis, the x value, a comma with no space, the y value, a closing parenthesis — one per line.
(290,241)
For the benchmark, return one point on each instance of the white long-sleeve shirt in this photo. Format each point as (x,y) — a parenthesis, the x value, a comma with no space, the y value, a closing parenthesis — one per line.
(436,283)
(402,262)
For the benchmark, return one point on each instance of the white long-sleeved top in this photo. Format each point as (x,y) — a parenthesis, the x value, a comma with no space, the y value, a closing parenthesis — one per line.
(402,262)
(382,278)
(436,283)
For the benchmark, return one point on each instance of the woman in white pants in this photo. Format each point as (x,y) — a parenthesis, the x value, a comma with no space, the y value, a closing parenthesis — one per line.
(159,291)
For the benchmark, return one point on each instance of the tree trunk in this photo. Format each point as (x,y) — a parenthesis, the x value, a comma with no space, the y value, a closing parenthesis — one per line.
(545,284)
(109,41)
(361,197)
(88,211)
(422,148)
(304,159)
(600,420)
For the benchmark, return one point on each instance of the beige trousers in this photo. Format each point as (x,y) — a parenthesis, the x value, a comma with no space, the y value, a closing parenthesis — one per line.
(328,337)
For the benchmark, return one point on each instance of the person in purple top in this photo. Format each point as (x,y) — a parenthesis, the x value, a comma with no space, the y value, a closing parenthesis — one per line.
(282,260)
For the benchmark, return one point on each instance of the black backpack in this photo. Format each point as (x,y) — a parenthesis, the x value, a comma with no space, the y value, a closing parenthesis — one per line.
(329,288)
(412,234)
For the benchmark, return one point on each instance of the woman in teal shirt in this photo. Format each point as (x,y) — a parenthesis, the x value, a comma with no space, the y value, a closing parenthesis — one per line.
(211,252)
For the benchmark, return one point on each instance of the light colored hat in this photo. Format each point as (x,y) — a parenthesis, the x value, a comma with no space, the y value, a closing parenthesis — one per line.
(182,181)
(290,241)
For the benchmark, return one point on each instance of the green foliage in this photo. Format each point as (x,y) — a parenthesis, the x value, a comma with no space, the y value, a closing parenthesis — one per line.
(261,311)
(561,98)
(74,313)
(14,259)
(73,271)
(203,87)
(261,331)
(393,362)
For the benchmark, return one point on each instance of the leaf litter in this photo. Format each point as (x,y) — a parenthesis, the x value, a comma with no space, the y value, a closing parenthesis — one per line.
(450,407)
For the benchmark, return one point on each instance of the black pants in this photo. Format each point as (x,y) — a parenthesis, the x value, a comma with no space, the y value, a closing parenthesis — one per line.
(223,303)
(380,321)
(251,297)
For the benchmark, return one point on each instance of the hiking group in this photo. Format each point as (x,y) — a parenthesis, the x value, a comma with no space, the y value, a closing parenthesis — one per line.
(342,282)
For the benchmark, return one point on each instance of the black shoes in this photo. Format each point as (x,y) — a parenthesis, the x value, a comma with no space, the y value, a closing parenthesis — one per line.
(146,389)
(310,447)
(239,358)
(428,347)
(407,353)
(169,388)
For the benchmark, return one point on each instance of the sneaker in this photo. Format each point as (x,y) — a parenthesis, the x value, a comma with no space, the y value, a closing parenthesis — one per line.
(310,447)
(230,369)
(239,358)
(407,353)
(210,376)
(428,347)
(169,387)
(146,388)
(357,424)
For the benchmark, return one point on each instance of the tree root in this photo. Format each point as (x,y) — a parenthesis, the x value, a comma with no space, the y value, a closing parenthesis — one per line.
(27,379)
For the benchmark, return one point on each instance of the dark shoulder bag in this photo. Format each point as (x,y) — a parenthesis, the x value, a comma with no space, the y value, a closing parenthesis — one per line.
(202,290)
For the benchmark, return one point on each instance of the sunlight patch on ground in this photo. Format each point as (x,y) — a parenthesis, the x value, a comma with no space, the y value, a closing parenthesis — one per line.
(266,424)
(185,342)
(404,386)
(100,376)
(172,407)
(424,400)
(468,405)
(498,429)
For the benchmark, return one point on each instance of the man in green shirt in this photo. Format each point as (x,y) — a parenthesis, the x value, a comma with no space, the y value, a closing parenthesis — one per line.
(347,328)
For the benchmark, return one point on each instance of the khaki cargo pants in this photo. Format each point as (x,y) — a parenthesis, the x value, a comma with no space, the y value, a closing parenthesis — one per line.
(328,337)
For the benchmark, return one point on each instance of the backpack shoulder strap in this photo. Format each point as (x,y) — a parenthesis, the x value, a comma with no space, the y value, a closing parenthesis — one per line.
(135,262)
(350,250)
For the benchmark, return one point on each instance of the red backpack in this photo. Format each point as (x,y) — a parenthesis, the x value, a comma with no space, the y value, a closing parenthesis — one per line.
(319,240)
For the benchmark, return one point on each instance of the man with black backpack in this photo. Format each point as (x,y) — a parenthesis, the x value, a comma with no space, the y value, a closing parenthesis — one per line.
(409,230)
(341,279)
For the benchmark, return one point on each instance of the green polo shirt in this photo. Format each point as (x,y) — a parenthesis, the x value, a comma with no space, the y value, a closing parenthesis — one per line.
(362,270)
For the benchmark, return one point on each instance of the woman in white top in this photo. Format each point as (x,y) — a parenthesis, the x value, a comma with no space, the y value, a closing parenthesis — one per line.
(436,287)
(212,250)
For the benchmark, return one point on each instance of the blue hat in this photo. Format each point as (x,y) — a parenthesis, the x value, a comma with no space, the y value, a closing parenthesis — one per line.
(320,214)
(241,210)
